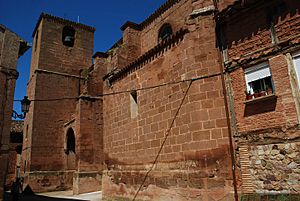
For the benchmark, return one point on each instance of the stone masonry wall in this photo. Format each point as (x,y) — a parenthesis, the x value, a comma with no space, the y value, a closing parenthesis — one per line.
(9,52)
(194,163)
(54,86)
(275,168)
(176,16)
(135,43)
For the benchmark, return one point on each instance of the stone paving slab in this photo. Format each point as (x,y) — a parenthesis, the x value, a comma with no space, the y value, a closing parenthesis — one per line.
(58,196)
(94,196)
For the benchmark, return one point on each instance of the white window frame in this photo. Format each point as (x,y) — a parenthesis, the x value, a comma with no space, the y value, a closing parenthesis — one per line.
(295,57)
(257,72)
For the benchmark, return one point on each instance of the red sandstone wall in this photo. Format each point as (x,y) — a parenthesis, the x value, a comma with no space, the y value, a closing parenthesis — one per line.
(176,16)
(135,43)
(48,138)
(149,35)
(47,119)
(54,53)
(9,52)
(12,164)
(196,154)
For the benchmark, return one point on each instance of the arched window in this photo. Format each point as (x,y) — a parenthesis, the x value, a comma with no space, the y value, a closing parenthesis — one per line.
(68,36)
(70,141)
(165,32)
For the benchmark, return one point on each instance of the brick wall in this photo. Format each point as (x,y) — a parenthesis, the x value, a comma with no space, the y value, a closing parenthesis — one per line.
(264,123)
(281,110)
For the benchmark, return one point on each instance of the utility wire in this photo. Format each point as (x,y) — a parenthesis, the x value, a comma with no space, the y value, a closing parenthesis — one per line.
(164,141)
(51,99)
(161,85)
(128,91)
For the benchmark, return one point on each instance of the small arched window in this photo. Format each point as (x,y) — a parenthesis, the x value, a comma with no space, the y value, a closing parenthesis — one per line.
(68,36)
(70,141)
(165,32)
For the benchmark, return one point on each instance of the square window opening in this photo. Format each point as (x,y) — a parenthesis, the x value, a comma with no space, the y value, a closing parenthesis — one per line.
(259,81)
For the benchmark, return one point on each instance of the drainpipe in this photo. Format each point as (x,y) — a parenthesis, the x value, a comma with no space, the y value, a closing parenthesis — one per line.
(221,65)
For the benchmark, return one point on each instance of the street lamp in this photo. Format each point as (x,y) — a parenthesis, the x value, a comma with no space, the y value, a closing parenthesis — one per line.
(25,103)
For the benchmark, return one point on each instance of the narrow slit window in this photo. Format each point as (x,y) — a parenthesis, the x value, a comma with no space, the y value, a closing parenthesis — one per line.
(134,104)
(134,96)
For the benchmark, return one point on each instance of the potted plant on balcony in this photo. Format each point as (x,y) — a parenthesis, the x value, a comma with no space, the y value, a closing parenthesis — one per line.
(249,96)
(269,90)
(256,94)
(262,93)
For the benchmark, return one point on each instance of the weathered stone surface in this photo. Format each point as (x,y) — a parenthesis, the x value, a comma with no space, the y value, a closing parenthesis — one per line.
(10,51)
(280,173)
(66,134)
(126,131)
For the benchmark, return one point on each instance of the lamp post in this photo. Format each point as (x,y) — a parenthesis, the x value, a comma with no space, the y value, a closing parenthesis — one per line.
(25,103)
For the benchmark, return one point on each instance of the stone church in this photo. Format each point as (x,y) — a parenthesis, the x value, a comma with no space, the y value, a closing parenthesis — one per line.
(200,101)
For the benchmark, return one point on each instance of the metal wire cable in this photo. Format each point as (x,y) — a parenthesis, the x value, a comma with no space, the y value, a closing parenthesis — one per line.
(128,91)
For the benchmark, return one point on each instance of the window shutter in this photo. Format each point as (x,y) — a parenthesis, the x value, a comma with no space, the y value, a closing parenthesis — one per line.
(257,72)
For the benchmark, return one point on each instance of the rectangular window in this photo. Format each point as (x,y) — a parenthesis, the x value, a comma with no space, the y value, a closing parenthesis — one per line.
(259,81)
(296,60)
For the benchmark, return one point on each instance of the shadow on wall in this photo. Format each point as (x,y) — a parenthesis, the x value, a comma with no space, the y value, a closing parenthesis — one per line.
(260,106)
(203,158)
(272,13)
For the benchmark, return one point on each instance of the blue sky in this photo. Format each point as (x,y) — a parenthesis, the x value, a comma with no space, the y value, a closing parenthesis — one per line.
(107,17)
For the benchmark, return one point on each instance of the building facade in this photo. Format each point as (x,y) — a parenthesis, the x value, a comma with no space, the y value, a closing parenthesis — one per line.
(200,101)
(11,48)
(166,136)
(59,150)
(262,60)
